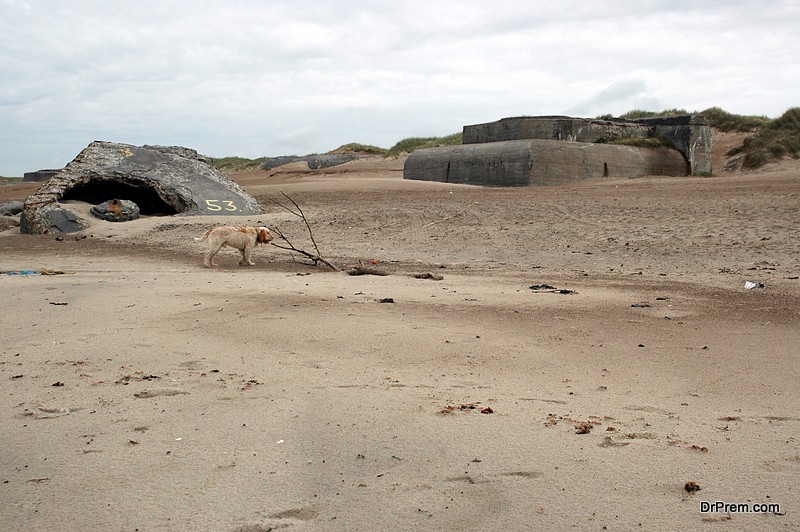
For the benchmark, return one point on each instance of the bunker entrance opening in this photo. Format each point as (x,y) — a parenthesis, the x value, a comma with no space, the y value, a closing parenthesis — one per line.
(100,190)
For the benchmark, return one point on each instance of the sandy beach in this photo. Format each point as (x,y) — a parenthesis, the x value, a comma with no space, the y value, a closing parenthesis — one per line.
(577,355)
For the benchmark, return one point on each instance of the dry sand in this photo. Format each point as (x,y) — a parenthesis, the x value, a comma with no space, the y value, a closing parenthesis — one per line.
(143,392)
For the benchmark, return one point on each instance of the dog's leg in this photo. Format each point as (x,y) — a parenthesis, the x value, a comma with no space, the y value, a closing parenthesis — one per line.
(246,257)
(208,258)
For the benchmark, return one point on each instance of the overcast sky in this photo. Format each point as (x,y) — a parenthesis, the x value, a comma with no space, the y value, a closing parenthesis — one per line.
(267,78)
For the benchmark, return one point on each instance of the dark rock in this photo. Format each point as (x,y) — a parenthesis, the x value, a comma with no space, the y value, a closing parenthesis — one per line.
(11,208)
(116,210)
(60,220)
(160,180)
(315,162)
(275,162)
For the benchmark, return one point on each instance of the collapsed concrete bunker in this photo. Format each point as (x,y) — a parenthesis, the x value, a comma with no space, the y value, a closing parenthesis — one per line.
(551,150)
(159,180)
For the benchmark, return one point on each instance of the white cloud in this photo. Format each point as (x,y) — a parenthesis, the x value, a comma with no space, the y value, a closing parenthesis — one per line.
(256,78)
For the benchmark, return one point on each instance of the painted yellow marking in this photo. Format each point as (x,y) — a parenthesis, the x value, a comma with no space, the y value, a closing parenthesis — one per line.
(214,205)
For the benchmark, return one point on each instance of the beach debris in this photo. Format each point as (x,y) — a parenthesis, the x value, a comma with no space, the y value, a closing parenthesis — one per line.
(138,376)
(366,270)
(246,385)
(699,448)
(467,407)
(749,285)
(643,304)
(583,427)
(57,411)
(640,436)
(149,394)
(546,288)
(43,271)
(608,441)
(387,300)
(552,420)
(692,486)
(44,412)
(57,384)
(431,276)
(58,304)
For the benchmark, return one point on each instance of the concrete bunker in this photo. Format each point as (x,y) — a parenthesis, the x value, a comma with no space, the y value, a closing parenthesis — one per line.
(552,150)
(159,180)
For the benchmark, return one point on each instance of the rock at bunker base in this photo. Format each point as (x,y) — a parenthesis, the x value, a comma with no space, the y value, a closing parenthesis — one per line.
(116,210)
(160,180)
(11,208)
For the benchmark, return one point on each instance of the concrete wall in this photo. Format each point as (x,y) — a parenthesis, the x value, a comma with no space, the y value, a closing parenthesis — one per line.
(690,134)
(39,175)
(494,164)
(539,162)
(552,128)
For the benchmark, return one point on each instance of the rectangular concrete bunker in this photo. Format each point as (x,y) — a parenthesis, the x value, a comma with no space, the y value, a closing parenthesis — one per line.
(553,150)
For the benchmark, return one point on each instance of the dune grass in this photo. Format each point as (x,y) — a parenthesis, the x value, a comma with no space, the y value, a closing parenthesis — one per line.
(411,144)
(355,147)
(725,121)
(777,139)
(238,164)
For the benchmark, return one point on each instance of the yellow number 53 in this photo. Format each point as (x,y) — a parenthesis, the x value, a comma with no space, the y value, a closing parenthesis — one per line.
(214,205)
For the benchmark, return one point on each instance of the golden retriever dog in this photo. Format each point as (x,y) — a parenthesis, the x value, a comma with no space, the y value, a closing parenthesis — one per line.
(243,238)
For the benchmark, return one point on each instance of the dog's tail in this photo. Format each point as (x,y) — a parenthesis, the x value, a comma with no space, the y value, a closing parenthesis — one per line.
(205,235)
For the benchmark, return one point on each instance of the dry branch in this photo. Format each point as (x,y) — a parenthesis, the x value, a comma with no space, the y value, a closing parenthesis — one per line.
(297,211)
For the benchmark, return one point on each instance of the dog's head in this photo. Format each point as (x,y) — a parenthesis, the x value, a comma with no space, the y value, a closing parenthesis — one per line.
(264,235)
